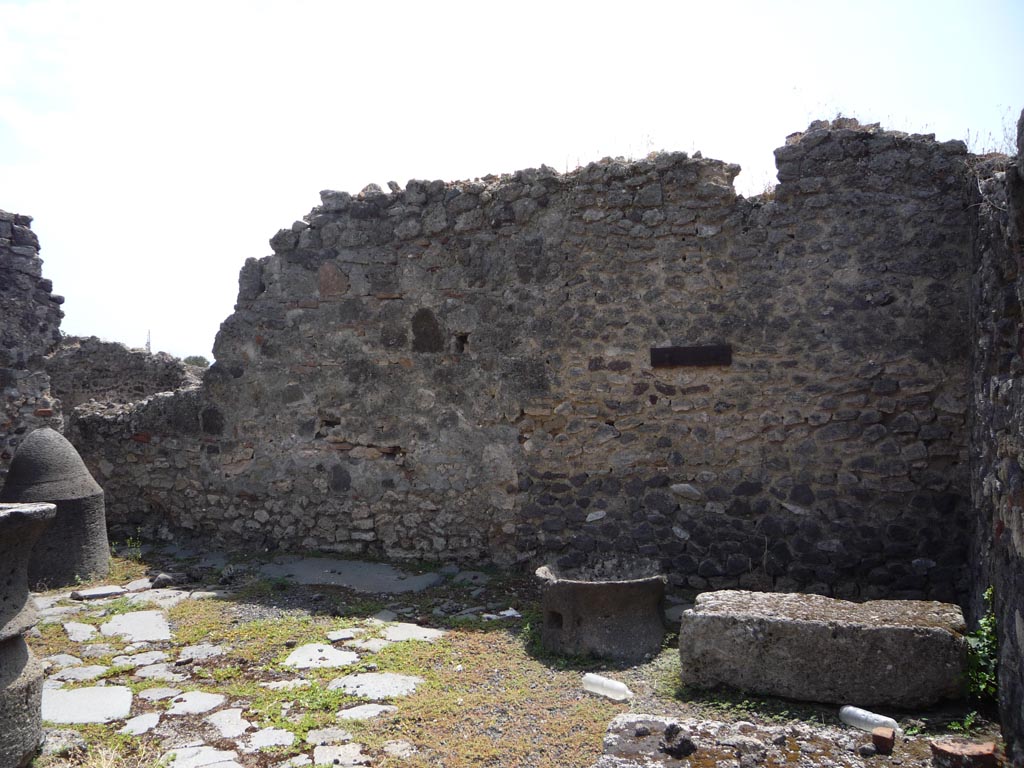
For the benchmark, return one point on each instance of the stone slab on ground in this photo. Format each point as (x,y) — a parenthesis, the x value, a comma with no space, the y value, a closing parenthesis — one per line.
(344,755)
(158,694)
(141,724)
(100,704)
(195,703)
(319,656)
(98,593)
(396,633)
(365,711)
(79,674)
(201,757)
(268,737)
(374,578)
(900,653)
(229,723)
(200,652)
(138,626)
(376,685)
(319,737)
(78,632)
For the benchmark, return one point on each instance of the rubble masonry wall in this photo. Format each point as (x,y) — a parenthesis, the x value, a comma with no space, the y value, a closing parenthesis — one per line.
(30,328)
(462,372)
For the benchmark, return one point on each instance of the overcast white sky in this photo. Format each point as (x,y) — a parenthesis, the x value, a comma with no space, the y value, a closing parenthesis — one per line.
(160,144)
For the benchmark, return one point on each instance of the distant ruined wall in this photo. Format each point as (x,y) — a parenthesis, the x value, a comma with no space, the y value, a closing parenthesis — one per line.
(84,369)
(997,422)
(462,371)
(29,328)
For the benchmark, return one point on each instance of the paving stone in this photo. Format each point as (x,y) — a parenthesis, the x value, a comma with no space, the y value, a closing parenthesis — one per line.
(375,578)
(299,761)
(319,656)
(376,685)
(365,711)
(268,737)
(344,634)
(229,722)
(137,647)
(345,755)
(79,674)
(202,757)
(162,671)
(98,593)
(139,625)
(99,704)
(165,598)
(141,724)
(95,650)
(62,660)
(139,659)
(78,632)
(200,652)
(211,594)
(384,616)
(139,585)
(325,736)
(285,685)
(402,631)
(195,703)
(58,611)
(373,645)
(158,694)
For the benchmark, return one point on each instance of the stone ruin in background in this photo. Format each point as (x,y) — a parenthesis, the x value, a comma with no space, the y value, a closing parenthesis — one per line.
(816,390)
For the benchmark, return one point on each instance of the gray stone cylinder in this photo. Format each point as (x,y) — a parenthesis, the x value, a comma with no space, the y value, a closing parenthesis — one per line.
(21,676)
(47,468)
(611,609)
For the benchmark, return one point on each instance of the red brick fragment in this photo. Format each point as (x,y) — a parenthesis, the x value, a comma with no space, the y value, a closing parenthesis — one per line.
(884,739)
(141,437)
(44,412)
(962,753)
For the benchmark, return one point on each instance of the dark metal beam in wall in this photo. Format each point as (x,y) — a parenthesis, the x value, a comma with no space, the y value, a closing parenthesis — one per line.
(711,354)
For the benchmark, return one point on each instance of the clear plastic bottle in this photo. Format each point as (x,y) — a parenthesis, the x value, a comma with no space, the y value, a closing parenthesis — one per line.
(865,720)
(604,686)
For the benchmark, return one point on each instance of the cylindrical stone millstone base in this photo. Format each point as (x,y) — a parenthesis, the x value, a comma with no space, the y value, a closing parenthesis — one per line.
(617,619)
(21,692)
(21,676)
(75,548)
(47,468)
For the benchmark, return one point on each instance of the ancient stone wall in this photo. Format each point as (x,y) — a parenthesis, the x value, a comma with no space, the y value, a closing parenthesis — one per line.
(84,369)
(29,328)
(464,371)
(997,421)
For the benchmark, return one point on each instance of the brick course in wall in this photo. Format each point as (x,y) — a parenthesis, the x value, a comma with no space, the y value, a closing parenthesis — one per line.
(463,371)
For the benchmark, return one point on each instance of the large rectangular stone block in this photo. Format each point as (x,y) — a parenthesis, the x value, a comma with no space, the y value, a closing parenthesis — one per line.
(902,653)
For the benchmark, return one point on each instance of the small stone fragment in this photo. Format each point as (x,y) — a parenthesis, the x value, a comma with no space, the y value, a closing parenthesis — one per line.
(884,739)
(963,753)
(98,593)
